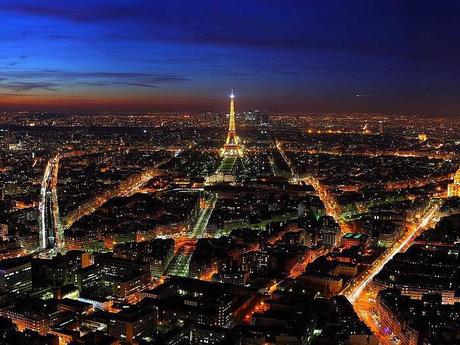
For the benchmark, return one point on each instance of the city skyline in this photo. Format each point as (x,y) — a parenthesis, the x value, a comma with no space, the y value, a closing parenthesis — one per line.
(253,172)
(390,58)
(135,229)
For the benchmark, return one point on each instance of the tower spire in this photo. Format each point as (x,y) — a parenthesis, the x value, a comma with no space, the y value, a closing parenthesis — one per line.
(232,147)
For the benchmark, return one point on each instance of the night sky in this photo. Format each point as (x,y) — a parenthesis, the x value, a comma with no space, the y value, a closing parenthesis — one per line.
(279,55)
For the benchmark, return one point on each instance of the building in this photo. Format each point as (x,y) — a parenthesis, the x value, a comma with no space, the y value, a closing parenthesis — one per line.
(128,285)
(33,314)
(273,259)
(75,306)
(125,277)
(330,236)
(158,253)
(354,239)
(389,317)
(10,248)
(15,277)
(112,267)
(129,325)
(328,285)
(345,270)
(388,235)
(209,335)
(301,210)
(453,189)
(208,304)
(87,278)
(3,230)
(428,270)
(310,238)
(60,270)
(283,318)
(230,273)
(262,117)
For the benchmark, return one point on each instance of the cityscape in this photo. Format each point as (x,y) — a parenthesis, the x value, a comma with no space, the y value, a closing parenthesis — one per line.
(227,216)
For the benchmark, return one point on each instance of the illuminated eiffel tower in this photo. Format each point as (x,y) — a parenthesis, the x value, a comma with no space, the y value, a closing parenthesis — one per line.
(232,146)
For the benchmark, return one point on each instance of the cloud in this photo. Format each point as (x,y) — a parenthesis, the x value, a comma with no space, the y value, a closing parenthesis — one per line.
(52,80)
(27,86)
(76,75)
(420,32)
(14,63)
(317,47)
(108,84)
(15,94)
(204,22)
(139,84)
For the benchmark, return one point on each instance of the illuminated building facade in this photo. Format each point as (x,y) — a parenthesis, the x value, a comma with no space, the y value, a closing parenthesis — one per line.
(453,189)
(354,239)
(15,277)
(38,316)
(129,325)
(232,146)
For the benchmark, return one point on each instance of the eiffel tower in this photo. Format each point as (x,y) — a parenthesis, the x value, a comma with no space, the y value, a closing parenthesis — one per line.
(232,146)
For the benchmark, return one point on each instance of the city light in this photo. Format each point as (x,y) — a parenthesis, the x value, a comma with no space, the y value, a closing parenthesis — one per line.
(143,201)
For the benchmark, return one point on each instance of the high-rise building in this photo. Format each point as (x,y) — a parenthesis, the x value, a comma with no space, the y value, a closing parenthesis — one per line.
(232,146)
(261,117)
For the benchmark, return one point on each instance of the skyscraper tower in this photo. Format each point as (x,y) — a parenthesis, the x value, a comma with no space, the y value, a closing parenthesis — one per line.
(232,146)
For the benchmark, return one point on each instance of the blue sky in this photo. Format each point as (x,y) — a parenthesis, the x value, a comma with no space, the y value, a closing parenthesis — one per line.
(402,56)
